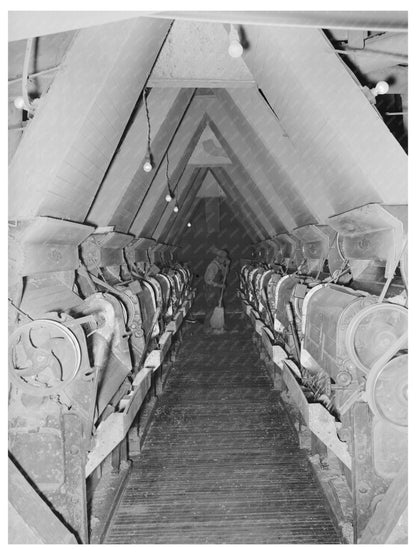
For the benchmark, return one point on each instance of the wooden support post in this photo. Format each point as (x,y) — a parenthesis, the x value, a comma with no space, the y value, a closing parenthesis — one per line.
(74,507)
(139,428)
(159,381)
(278,383)
(124,451)
(116,459)
(319,448)
(154,388)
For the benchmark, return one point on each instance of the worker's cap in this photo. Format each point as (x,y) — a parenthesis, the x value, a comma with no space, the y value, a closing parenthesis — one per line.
(221,253)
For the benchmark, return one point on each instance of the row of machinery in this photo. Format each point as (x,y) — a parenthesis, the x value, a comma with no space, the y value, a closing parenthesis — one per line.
(93,316)
(329,307)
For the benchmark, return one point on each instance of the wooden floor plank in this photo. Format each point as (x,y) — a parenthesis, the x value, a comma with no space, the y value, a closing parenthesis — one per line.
(221,463)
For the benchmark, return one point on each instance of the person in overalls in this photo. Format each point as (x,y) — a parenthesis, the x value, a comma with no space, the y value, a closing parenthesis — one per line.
(214,276)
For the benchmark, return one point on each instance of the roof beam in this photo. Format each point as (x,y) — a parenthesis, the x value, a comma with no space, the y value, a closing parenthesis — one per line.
(245,223)
(328,118)
(266,138)
(125,175)
(239,201)
(239,210)
(366,20)
(251,112)
(181,226)
(178,221)
(250,157)
(65,151)
(190,176)
(144,184)
(25,24)
(255,195)
(149,212)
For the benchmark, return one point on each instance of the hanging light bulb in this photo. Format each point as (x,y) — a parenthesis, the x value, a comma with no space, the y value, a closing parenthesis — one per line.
(19,103)
(382,87)
(169,196)
(235,48)
(176,195)
(147,166)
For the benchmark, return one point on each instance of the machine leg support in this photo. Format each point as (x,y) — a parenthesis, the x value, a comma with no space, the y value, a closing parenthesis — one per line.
(159,381)
(278,383)
(119,456)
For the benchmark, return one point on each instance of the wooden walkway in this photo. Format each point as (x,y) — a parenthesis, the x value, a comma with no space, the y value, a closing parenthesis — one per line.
(221,463)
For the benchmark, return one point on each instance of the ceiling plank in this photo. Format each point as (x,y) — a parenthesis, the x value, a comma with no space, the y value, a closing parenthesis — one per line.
(25,24)
(242,216)
(201,83)
(198,51)
(171,235)
(181,224)
(250,159)
(297,177)
(189,177)
(328,118)
(366,20)
(125,176)
(180,150)
(65,151)
(277,170)
(238,173)
(239,201)
(144,183)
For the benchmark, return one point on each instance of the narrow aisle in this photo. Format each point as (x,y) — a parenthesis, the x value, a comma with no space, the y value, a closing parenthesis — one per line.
(221,462)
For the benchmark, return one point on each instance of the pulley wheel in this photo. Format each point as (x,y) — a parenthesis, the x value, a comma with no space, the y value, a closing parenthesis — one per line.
(387,391)
(372,331)
(44,356)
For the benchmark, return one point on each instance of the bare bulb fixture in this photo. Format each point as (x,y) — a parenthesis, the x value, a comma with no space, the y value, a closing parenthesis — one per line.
(382,87)
(168,197)
(235,48)
(19,103)
(147,166)
(176,208)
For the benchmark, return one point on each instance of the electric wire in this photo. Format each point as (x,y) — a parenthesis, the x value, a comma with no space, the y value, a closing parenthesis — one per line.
(148,121)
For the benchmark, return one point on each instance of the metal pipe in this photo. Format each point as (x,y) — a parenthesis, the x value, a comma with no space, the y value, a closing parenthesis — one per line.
(28,24)
(37,74)
(395,21)
(25,73)
(401,58)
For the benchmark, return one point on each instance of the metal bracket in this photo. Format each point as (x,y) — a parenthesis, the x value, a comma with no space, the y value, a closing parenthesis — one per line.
(315,241)
(368,233)
(104,249)
(44,244)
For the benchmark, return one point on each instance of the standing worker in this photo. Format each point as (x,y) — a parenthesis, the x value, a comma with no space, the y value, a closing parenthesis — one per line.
(214,281)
